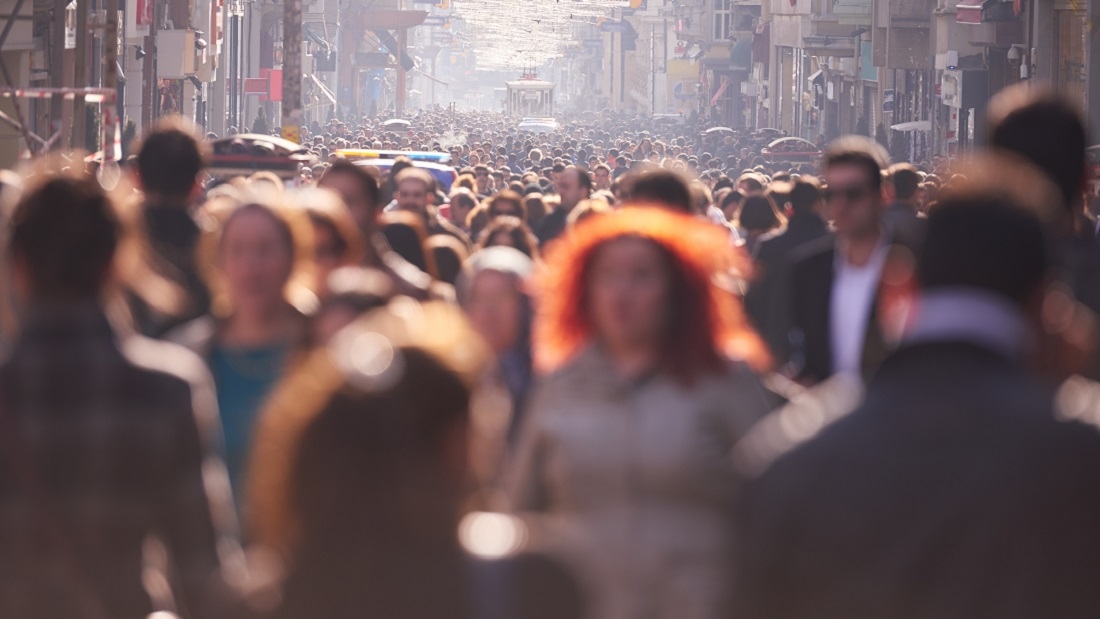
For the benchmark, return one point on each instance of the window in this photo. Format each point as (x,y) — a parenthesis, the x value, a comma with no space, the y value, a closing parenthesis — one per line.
(723,16)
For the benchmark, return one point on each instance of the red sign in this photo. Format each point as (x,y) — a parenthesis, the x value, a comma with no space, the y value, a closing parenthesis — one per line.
(255,86)
(144,14)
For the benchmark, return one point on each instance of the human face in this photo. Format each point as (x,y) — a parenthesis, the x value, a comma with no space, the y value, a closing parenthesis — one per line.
(505,208)
(412,196)
(570,189)
(484,183)
(494,310)
(256,260)
(628,291)
(360,204)
(603,179)
(853,204)
(459,213)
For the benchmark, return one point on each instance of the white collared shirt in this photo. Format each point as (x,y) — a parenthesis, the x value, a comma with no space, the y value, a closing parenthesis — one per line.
(853,297)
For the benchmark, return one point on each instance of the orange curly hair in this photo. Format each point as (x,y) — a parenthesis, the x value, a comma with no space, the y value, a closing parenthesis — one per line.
(709,326)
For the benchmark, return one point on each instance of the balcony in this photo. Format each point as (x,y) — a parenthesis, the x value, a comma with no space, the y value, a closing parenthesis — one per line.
(853,12)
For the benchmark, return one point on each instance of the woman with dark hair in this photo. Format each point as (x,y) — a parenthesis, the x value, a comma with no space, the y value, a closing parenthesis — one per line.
(359,473)
(758,217)
(623,464)
(507,204)
(336,239)
(406,236)
(510,232)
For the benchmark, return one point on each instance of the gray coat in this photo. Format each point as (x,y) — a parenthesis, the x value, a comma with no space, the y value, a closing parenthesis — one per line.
(631,483)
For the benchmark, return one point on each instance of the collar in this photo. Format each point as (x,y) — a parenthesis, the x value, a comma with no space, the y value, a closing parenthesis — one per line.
(970,315)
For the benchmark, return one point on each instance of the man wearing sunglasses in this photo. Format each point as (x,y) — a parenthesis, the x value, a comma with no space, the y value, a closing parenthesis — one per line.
(836,280)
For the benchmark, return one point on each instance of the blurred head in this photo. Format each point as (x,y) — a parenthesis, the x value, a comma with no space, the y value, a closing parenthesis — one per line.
(852,171)
(258,254)
(805,196)
(663,187)
(510,232)
(64,234)
(492,290)
(644,278)
(448,253)
(462,202)
(1047,130)
(412,189)
(359,190)
(336,239)
(759,215)
(1010,259)
(406,236)
(731,204)
(170,160)
(358,469)
(573,185)
(507,204)
(904,181)
(602,174)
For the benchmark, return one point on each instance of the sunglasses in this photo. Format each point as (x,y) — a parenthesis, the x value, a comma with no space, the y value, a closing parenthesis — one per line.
(850,194)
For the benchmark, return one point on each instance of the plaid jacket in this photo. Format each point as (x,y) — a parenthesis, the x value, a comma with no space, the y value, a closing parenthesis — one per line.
(122,432)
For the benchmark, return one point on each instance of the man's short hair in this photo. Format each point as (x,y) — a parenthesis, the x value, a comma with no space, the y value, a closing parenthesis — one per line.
(1045,129)
(858,151)
(1011,257)
(170,159)
(805,193)
(664,187)
(906,180)
(367,182)
(415,174)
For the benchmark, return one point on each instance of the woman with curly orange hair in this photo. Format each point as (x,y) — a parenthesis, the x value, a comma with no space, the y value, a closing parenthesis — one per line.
(623,466)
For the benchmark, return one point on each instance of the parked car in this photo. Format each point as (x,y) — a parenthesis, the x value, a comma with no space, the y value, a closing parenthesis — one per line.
(247,153)
(791,149)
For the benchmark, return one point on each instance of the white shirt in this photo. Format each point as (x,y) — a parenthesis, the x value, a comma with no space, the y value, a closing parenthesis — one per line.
(850,307)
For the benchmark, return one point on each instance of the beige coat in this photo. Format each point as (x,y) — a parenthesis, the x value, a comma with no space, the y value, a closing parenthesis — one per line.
(632,484)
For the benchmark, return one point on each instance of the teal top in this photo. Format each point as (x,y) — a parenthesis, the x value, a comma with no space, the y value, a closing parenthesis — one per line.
(244,378)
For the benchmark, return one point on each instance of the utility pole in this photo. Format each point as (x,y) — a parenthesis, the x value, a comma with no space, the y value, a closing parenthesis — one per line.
(292,69)
(110,78)
(80,73)
(57,68)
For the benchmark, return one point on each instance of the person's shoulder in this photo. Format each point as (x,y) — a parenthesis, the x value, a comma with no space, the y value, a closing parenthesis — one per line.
(794,432)
(196,335)
(178,371)
(815,250)
(533,585)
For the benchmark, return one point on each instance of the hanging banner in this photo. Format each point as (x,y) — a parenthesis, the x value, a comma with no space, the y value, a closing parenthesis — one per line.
(139,17)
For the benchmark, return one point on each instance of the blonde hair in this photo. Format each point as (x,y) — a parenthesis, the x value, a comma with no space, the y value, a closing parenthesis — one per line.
(219,212)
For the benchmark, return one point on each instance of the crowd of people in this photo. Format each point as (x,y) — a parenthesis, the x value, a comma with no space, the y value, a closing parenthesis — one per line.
(626,370)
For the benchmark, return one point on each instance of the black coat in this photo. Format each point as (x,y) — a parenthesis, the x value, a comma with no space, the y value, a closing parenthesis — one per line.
(768,301)
(953,491)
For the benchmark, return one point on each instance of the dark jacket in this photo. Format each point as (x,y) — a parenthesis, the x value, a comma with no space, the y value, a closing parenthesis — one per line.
(768,301)
(125,436)
(553,226)
(173,239)
(954,491)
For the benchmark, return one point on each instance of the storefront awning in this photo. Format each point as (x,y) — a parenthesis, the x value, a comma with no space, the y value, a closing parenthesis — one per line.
(916,125)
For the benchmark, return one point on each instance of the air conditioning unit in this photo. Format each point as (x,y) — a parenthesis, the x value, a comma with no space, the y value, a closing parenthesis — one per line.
(175,54)
(750,89)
